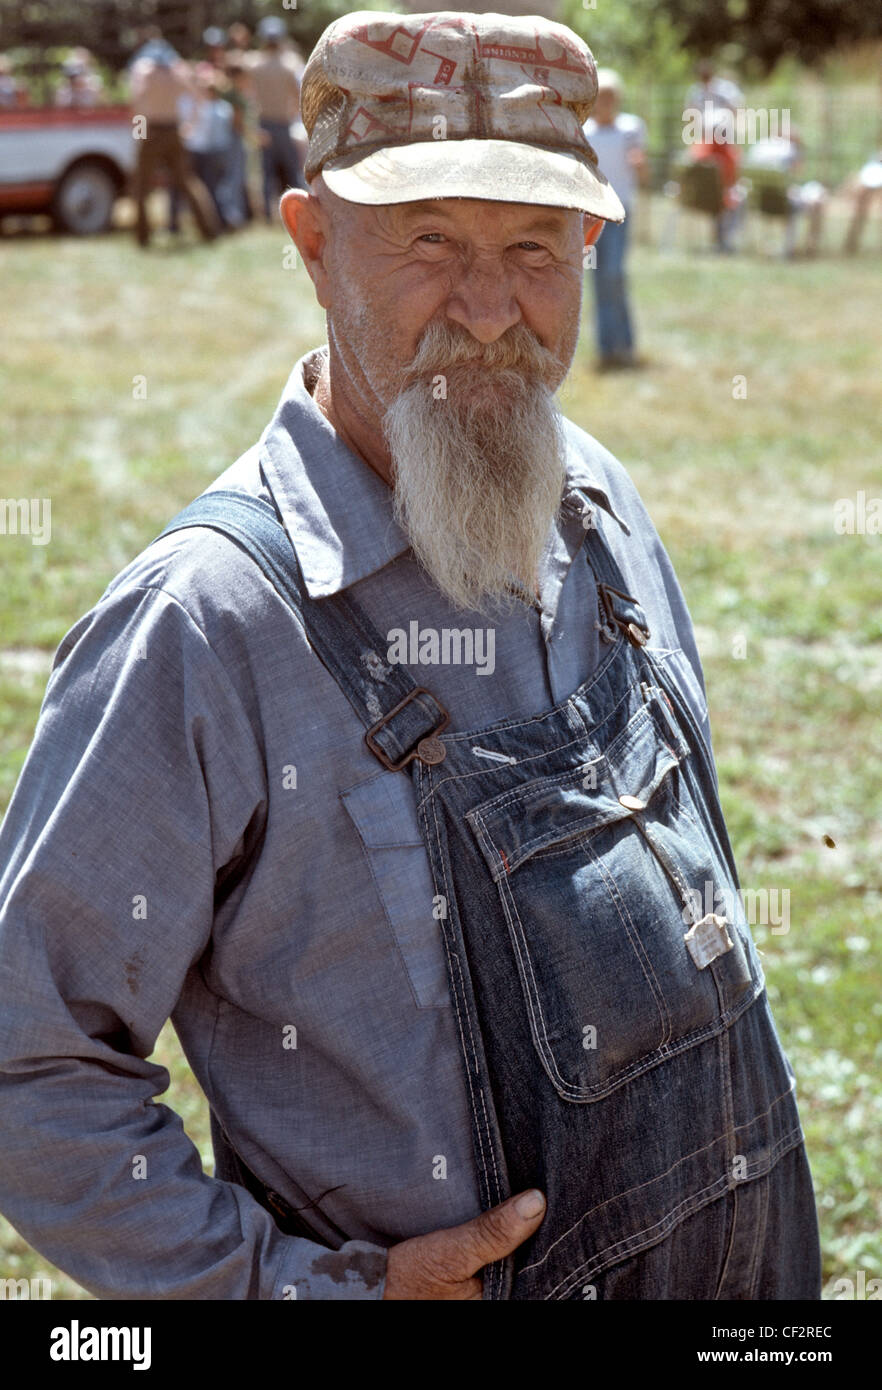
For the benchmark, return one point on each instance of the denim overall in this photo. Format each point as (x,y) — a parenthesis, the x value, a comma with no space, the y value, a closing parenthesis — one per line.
(616,1038)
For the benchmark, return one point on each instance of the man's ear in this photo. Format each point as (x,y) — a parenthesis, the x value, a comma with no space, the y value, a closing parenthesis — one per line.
(593,227)
(306,222)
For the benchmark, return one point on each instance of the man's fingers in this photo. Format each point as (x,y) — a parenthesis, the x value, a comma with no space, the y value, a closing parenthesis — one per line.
(490,1236)
(444,1264)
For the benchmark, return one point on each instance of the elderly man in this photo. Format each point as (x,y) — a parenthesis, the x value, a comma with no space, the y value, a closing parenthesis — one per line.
(385,772)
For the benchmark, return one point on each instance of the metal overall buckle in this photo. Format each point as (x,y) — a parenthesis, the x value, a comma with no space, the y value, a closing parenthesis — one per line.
(429,749)
(636,633)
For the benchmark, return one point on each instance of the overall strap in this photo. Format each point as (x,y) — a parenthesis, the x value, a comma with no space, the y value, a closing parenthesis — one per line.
(400,717)
(618,609)
(620,612)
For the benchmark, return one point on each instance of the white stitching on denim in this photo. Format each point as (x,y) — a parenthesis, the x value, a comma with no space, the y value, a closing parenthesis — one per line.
(718,1139)
(442,859)
(505,726)
(531,994)
(663,1227)
(526,792)
(613,753)
(484,771)
(731,1244)
(637,946)
(451,739)
(568,1089)
(667,863)
(759,1235)
(783,1147)
(492,756)
(450,959)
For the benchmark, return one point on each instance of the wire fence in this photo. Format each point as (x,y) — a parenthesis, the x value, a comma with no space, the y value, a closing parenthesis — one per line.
(840,127)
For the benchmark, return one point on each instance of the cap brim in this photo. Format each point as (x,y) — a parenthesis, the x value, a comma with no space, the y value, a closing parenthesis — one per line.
(500,170)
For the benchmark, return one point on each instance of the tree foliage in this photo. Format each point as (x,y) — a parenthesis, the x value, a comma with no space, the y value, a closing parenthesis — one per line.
(108,28)
(765,31)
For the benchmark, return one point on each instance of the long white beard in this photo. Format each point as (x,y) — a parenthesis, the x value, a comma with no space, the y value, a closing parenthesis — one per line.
(478,452)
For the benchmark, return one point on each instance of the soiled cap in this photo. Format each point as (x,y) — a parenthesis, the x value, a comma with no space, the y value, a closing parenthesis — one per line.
(450,105)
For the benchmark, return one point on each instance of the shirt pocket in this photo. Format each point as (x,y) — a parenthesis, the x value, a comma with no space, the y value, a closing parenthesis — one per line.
(597,871)
(383,811)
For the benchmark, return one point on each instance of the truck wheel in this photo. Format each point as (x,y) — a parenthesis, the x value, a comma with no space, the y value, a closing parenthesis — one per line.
(83,202)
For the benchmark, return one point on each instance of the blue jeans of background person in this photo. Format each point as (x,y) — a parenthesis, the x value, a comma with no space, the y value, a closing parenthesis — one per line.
(615,336)
(614,1024)
(216,169)
(281,164)
(238,178)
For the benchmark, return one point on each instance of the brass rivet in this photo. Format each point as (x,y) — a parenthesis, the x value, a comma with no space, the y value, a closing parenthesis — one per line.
(431,750)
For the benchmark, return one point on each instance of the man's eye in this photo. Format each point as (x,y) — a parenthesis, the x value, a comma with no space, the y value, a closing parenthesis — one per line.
(530,246)
(430,237)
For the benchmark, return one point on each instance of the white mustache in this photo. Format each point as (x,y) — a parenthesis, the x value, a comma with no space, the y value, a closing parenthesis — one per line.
(444,346)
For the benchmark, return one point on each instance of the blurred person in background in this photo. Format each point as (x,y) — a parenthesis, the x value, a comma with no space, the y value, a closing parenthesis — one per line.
(244,131)
(773,165)
(275,84)
(239,37)
(79,87)
(718,148)
(149,43)
(93,78)
(711,90)
(864,188)
(158,84)
(619,141)
(710,104)
(214,42)
(8,85)
(211,144)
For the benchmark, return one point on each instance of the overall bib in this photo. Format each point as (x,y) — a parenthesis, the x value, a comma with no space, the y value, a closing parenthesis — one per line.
(616,1038)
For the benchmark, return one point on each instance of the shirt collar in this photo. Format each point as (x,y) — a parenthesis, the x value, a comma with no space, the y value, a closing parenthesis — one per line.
(336,509)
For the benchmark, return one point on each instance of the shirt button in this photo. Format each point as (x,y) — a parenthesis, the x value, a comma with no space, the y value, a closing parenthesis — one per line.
(632,803)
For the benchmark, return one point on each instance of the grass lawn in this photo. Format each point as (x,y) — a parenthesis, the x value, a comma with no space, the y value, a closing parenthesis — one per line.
(130,380)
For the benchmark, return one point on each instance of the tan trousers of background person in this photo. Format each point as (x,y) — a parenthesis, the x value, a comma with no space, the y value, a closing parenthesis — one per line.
(161,149)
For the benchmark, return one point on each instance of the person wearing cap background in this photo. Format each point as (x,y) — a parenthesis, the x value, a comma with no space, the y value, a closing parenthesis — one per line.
(452,943)
(214,41)
(82,85)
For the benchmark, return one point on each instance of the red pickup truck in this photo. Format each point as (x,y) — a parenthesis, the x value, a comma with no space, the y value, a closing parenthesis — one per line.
(70,162)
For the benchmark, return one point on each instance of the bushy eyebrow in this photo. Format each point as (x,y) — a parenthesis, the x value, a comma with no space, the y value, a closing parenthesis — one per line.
(543,226)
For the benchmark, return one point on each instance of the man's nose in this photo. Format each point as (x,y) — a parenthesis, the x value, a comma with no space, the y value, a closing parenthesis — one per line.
(483,301)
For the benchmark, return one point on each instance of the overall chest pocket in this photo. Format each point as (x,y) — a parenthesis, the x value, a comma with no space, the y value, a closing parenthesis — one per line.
(599,873)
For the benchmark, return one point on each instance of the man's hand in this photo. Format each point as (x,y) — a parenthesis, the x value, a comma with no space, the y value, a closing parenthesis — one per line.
(445,1264)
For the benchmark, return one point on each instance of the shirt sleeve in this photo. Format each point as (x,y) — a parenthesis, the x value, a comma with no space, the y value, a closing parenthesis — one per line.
(144,778)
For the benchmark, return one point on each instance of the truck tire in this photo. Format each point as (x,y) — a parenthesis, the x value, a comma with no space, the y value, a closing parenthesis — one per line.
(84,199)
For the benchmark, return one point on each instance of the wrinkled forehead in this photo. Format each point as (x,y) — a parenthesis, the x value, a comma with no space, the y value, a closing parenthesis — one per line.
(489,215)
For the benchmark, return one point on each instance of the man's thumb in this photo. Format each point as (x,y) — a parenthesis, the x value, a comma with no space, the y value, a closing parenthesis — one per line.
(495,1233)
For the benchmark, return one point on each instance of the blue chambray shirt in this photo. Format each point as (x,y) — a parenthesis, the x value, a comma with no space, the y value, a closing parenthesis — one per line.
(199,832)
